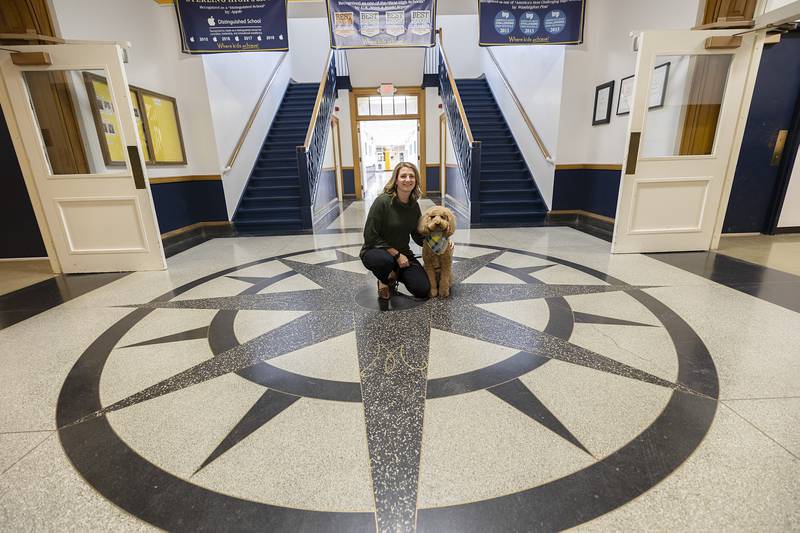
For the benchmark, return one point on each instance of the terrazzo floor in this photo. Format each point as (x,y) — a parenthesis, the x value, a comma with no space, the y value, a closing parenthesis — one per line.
(258,385)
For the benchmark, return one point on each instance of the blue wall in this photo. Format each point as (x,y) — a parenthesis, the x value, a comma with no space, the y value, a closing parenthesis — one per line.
(348,181)
(185,203)
(20,233)
(590,190)
(774,101)
(432,178)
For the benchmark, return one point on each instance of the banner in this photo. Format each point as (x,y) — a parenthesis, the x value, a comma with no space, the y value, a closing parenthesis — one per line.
(514,22)
(381,23)
(213,26)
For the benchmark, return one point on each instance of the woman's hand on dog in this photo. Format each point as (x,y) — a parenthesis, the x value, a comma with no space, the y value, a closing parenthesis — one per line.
(402,261)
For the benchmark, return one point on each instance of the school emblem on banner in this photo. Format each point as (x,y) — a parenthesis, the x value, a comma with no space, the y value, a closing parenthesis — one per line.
(523,22)
(381,23)
(232,26)
(343,23)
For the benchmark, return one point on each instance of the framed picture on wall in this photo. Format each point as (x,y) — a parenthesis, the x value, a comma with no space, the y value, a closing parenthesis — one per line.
(105,120)
(658,85)
(625,95)
(658,90)
(162,128)
(603,97)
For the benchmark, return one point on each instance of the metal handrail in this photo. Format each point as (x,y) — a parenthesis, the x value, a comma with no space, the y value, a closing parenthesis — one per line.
(453,86)
(525,117)
(253,114)
(318,102)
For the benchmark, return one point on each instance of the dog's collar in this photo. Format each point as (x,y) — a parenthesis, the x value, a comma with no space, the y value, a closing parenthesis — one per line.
(437,242)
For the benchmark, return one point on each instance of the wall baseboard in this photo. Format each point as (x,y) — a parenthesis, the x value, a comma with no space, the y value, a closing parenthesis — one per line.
(12,259)
(787,229)
(596,225)
(182,239)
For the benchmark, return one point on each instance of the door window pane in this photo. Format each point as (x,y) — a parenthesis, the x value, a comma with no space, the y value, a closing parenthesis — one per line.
(411,105)
(374,105)
(685,99)
(77,120)
(399,105)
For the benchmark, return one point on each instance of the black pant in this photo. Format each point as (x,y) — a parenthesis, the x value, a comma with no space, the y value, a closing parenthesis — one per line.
(381,263)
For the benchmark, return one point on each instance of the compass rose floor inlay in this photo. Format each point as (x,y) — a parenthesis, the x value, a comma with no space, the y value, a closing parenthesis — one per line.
(259,384)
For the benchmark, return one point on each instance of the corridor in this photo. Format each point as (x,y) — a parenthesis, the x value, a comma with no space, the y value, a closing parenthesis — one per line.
(256,384)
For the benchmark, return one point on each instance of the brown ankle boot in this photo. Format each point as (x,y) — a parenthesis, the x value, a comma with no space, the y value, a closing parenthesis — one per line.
(384,292)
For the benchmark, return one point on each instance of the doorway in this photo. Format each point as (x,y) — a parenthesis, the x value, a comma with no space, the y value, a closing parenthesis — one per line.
(388,130)
(384,144)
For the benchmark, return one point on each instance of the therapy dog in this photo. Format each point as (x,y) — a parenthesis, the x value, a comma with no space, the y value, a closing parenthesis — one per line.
(437,225)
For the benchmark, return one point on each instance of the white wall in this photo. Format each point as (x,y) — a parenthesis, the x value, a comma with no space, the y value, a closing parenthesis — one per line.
(155,62)
(607,54)
(790,214)
(370,68)
(536,75)
(234,84)
(461,44)
(309,45)
(432,113)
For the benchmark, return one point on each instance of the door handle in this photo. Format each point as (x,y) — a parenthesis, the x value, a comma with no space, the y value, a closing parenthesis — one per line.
(633,152)
(780,144)
(136,167)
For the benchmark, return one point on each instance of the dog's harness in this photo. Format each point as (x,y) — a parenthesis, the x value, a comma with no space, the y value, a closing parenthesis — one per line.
(437,242)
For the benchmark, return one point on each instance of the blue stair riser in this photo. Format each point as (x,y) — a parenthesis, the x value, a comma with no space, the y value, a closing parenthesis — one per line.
(516,165)
(271,200)
(505,185)
(503,194)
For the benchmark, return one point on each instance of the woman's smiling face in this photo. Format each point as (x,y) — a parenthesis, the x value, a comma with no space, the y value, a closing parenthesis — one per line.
(406,180)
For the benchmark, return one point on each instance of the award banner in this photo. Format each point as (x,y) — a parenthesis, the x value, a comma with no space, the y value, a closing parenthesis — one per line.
(213,26)
(381,23)
(515,22)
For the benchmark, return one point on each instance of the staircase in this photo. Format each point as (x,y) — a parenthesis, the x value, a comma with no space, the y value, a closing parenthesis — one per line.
(271,199)
(508,193)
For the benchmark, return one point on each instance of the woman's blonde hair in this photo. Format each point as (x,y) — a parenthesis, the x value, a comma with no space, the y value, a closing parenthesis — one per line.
(391,185)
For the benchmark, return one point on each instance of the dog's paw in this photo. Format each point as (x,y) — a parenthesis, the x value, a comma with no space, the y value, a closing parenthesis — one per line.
(433,293)
(445,291)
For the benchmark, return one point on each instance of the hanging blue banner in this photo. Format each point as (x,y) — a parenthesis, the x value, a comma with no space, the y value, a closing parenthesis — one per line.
(381,23)
(213,26)
(515,22)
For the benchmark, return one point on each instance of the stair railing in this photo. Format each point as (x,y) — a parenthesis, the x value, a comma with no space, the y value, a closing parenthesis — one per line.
(311,154)
(536,137)
(253,115)
(466,148)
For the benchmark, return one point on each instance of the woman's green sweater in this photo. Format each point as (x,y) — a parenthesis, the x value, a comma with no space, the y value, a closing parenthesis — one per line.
(390,223)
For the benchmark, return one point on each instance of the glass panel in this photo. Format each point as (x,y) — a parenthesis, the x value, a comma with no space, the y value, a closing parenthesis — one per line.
(388,105)
(686,96)
(411,105)
(137,114)
(363,105)
(79,125)
(399,105)
(374,105)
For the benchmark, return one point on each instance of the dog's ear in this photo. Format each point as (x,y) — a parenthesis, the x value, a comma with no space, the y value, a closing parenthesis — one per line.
(422,226)
(451,222)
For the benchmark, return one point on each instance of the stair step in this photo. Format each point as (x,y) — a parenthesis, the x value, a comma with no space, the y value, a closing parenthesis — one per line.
(275,172)
(278,190)
(493,206)
(505,185)
(514,216)
(500,158)
(249,202)
(249,213)
(502,194)
(488,166)
(497,174)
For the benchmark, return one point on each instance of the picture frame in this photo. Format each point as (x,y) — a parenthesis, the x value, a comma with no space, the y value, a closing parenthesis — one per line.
(603,100)
(162,128)
(658,86)
(105,118)
(625,98)
(658,90)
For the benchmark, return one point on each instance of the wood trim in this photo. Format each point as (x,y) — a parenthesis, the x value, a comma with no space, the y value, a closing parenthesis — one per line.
(178,179)
(787,229)
(728,11)
(589,166)
(193,227)
(723,42)
(581,212)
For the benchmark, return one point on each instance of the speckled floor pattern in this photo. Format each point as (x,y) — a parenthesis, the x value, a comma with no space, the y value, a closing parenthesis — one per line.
(258,384)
